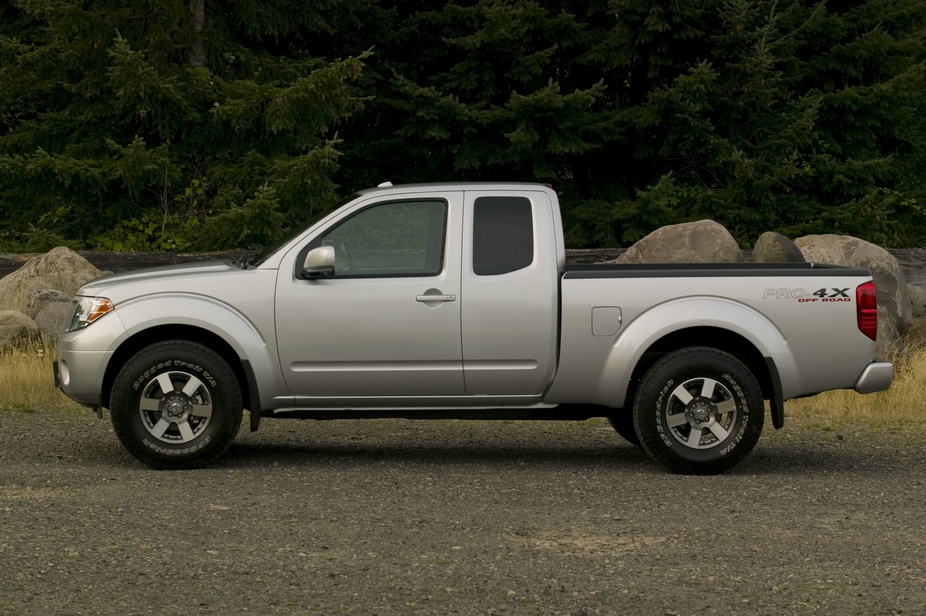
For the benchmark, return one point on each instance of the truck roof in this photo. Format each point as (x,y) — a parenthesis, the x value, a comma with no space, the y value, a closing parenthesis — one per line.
(443,186)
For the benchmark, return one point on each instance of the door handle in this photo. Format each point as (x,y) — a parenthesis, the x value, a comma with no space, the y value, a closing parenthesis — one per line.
(435,298)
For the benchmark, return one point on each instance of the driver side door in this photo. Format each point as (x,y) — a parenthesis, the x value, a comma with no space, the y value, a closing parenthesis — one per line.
(384,328)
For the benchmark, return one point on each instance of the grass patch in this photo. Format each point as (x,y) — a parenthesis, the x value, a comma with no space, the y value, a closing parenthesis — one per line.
(900,408)
(27,383)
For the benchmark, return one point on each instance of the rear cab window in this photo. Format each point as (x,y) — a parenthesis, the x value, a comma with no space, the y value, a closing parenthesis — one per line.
(503,235)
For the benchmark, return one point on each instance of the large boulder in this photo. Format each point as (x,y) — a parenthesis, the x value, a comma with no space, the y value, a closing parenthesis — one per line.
(895,308)
(51,319)
(773,247)
(704,241)
(15,326)
(915,336)
(49,309)
(46,298)
(918,299)
(61,269)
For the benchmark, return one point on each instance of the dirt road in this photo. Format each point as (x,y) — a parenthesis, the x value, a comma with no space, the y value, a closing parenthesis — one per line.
(399,517)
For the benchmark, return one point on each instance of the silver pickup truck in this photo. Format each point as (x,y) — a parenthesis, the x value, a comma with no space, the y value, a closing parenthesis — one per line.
(455,301)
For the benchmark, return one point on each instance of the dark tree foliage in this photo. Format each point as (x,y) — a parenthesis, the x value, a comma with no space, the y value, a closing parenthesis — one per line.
(134,126)
(211,123)
(803,118)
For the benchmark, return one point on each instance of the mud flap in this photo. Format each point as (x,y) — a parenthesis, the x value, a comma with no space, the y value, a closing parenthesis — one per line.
(776,403)
(253,395)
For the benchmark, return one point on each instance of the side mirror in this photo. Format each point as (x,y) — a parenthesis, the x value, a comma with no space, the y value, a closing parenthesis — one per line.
(319,262)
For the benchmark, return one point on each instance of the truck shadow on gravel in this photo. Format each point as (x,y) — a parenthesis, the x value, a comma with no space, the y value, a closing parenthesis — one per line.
(251,456)
(502,448)
(801,459)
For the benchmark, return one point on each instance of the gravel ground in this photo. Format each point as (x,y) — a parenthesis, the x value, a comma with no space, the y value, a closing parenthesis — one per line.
(449,517)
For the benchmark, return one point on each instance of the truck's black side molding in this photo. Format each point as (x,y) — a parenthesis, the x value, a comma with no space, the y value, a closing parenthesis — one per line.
(563,412)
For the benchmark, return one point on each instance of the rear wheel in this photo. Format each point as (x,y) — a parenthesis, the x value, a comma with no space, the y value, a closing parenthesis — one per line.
(699,411)
(176,404)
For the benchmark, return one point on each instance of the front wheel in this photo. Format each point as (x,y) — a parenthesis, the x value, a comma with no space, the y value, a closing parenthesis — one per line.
(699,411)
(176,404)
(622,422)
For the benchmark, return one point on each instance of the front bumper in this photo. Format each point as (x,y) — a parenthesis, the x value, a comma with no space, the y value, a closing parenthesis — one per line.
(80,399)
(81,380)
(878,376)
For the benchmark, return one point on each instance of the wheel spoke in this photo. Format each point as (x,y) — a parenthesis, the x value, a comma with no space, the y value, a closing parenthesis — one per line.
(694,439)
(201,410)
(719,431)
(186,432)
(682,394)
(707,388)
(727,406)
(165,383)
(149,404)
(160,428)
(676,420)
(192,385)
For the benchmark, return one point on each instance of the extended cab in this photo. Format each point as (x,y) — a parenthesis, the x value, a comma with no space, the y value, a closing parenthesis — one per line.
(455,301)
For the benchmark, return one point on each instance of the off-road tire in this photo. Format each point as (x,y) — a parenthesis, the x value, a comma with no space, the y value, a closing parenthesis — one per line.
(176,405)
(698,411)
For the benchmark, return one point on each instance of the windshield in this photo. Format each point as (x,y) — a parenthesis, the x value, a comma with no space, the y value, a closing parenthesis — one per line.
(265,254)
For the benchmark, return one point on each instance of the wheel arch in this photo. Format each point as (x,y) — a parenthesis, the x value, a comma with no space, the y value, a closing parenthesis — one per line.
(133,344)
(707,336)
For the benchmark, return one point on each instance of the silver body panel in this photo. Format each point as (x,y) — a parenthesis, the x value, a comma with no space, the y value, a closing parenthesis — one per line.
(451,338)
(815,347)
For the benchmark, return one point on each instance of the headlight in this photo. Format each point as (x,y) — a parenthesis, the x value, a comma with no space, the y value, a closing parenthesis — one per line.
(88,310)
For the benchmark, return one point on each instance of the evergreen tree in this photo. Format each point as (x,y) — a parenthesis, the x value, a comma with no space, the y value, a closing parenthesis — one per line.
(762,115)
(129,123)
(481,91)
(170,124)
(787,116)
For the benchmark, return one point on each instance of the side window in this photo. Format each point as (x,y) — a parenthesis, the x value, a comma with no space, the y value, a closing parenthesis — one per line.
(503,235)
(402,238)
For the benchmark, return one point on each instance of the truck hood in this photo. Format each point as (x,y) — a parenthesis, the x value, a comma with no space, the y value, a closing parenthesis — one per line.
(157,276)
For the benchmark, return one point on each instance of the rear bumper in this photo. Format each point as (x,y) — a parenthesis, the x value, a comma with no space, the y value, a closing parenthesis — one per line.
(878,376)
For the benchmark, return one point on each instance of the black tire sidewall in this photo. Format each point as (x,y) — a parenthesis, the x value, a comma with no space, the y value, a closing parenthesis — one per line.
(176,356)
(651,416)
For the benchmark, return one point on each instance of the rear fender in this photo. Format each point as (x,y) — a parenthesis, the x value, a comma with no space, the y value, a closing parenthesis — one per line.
(660,321)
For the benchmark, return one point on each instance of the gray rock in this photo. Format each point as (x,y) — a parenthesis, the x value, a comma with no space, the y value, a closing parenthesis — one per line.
(773,247)
(917,299)
(895,308)
(15,326)
(61,269)
(915,336)
(891,341)
(50,320)
(40,300)
(704,241)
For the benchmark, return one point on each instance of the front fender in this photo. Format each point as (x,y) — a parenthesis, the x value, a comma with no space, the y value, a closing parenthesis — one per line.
(250,338)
